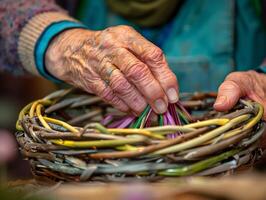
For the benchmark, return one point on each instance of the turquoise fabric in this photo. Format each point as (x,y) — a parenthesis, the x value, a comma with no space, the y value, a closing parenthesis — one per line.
(261,69)
(43,41)
(204,42)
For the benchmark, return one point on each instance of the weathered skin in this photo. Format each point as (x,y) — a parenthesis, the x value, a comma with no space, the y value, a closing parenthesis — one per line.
(128,71)
(117,64)
(250,84)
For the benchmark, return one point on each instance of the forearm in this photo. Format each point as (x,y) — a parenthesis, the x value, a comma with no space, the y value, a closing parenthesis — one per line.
(14,15)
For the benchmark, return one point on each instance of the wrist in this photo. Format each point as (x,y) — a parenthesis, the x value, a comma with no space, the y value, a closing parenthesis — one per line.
(36,36)
(61,48)
(31,33)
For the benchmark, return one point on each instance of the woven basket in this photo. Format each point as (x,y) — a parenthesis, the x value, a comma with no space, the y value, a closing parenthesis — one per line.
(72,136)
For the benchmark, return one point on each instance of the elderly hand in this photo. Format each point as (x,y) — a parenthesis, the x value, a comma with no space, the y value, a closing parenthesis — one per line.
(117,64)
(250,84)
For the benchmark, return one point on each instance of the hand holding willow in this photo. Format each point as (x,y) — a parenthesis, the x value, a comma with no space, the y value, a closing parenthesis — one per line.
(117,64)
(250,84)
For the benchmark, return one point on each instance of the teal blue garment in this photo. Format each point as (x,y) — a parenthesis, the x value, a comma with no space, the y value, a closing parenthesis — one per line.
(206,40)
(261,69)
(43,41)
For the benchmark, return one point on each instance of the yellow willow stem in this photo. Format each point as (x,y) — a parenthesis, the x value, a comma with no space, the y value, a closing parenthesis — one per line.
(61,123)
(257,118)
(227,135)
(98,143)
(188,127)
(40,117)
(33,108)
(21,115)
(127,147)
(135,131)
(209,122)
(233,133)
(169,129)
(44,102)
(249,125)
(203,138)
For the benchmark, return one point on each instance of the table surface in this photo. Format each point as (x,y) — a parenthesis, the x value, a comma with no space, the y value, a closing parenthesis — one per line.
(244,187)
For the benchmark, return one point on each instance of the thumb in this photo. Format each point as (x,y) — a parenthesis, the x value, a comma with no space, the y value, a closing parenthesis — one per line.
(228,95)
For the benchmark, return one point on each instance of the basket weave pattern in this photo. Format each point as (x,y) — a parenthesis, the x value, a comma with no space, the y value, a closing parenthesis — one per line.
(73,136)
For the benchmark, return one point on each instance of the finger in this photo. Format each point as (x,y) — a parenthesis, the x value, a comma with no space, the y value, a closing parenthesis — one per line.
(88,79)
(154,58)
(122,88)
(228,95)
(106,93)
(139,74)
(101,89)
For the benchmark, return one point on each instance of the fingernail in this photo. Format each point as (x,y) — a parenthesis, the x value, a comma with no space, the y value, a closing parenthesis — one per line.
(160,106)
(221,100)
(172,95)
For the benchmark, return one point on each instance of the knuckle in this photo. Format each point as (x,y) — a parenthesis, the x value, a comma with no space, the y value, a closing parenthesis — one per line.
(117,102)
(252,73)
(137,70)
(102,65)
(155,55)
(106,94)
(125,28)
(120,85)
(232,75)
(120,52)
(106,39)
(241,79)
(107,31)
(168,77)
(236,76)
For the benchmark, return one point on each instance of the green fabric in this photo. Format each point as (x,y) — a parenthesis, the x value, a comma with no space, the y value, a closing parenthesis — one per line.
(145,13)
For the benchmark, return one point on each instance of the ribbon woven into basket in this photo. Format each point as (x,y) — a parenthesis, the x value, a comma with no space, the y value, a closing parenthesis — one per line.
(73,136)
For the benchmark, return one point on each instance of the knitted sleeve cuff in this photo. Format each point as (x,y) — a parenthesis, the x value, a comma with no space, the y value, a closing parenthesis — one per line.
(35,37)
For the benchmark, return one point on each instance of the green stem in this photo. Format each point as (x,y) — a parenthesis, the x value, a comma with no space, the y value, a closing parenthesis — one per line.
(97,126)
(182,116)
(199,166)
(139,120)
(160,120)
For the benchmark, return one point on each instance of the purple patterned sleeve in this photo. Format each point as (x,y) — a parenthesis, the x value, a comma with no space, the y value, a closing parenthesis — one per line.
(13,16)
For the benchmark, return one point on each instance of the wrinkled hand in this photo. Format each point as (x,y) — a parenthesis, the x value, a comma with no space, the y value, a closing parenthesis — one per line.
(117,64)
(248,84)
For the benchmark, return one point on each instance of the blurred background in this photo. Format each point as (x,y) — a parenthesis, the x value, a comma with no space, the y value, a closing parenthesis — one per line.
(16,92)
